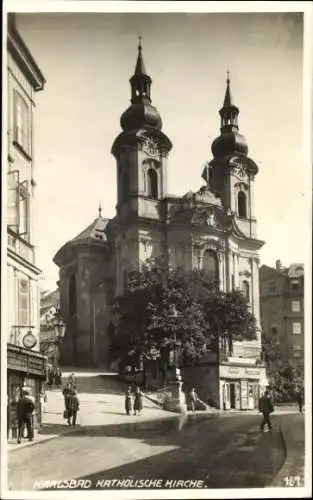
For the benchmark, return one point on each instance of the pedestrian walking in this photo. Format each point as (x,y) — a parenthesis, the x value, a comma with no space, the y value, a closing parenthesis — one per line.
(72,379)
(67,392)
(193,398)
(300,398)
(58,377)
(73,408)
(25,409)
(13,418)
(138,401)
(50,377)
(128,401)
(266,408)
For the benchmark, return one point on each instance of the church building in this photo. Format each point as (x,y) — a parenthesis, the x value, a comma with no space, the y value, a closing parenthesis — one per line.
(214,229)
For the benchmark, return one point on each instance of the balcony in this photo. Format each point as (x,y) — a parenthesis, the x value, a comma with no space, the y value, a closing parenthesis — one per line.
(20,247)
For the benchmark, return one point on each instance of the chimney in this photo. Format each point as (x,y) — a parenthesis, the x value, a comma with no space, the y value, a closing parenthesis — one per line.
(278,265)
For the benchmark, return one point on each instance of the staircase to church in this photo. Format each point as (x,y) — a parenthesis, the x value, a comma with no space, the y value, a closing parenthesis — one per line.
(93,381)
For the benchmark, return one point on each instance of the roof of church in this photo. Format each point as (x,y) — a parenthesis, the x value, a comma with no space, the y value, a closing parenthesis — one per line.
(95,231)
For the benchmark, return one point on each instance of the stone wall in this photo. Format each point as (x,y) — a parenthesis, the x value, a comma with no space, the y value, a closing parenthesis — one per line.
(204,378)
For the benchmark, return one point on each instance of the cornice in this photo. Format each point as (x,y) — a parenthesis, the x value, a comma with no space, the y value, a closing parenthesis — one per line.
(19,51)
(23,261)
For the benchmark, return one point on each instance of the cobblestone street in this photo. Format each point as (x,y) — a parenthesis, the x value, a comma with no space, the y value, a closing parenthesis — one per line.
(225,450)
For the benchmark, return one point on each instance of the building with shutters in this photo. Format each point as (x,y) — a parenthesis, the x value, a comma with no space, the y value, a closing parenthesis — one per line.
(282,309)
(25,364)
(214,228)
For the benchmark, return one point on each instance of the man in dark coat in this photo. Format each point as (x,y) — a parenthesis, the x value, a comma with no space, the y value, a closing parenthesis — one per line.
(25,408)
(300,400)
(266,408)
(73,407)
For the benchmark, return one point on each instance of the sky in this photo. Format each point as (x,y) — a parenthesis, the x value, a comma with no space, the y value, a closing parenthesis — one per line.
(87,60)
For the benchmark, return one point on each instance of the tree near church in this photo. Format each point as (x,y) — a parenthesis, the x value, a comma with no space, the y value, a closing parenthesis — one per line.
(205,316)
(146,321)
(285,380)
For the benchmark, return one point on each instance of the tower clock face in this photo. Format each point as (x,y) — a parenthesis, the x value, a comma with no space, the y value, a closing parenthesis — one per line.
(151,147)
(238,167)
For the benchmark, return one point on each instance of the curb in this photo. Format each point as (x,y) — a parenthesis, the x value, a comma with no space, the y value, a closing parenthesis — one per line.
(42,440)
(284,471)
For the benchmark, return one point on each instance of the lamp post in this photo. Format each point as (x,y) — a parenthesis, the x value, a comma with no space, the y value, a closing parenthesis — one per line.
(59,329)
(177,403)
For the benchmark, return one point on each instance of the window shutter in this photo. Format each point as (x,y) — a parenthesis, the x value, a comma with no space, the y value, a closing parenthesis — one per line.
(23,306)
(13,215)
(24,207)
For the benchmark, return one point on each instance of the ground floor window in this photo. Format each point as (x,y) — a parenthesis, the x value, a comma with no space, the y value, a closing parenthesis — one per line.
(240,394)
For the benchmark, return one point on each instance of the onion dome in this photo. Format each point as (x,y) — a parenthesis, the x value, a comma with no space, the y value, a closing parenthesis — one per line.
(140,113)
(230,141)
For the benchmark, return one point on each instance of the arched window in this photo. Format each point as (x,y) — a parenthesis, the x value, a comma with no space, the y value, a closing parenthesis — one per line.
(72,295)
(242,204)
(274,330)
(210,265)
(152,177)
(246,290)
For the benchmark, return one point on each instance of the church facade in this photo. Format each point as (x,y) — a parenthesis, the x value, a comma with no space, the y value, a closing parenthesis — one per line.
(214,229)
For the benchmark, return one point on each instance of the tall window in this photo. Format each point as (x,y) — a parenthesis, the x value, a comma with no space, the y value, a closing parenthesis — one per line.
(152,177)
(18,204)
(242,204)
(295,306)
(72,295)
(210,265)
(23,302)
(21,123)
(274,330)
(296,328)
(272,286)
(294,284)
(297,351)
(246,290)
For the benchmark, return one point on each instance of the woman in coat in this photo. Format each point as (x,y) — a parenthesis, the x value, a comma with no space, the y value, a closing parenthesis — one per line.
(138,401)
(128,401)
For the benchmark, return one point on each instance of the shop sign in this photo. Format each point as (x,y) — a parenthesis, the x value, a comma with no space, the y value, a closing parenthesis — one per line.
(227,371)
(26,362)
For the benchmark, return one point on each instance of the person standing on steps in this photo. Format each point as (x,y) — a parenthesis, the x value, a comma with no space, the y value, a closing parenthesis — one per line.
(138,401)
(266,408)
(128,401)
(193,398)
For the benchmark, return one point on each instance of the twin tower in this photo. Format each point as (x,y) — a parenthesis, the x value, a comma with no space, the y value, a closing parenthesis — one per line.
(149,223)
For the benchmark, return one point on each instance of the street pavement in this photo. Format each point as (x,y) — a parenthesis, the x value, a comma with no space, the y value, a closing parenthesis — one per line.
(224,450)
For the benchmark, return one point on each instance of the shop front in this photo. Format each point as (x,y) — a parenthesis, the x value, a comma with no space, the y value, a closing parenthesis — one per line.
(240,386)
(24,368)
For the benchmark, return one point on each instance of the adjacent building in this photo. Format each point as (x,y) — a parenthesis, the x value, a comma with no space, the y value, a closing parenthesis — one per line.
(282,308)
(214,228)
(25,364)
(49,307)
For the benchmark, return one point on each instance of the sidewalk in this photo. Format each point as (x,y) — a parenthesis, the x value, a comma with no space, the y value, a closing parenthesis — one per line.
(95,410)
(292,429)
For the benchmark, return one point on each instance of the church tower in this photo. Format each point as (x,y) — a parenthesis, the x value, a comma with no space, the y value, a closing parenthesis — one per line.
(231,176)
(231,172)
(141,151)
